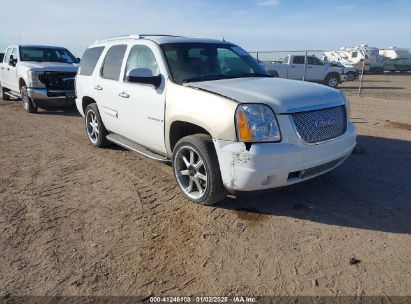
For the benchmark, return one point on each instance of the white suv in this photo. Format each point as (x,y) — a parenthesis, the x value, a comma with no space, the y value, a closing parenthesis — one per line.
(210,109)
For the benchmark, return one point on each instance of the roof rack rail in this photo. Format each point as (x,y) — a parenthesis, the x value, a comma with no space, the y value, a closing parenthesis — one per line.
(139,36)
(118,38)
(158,35)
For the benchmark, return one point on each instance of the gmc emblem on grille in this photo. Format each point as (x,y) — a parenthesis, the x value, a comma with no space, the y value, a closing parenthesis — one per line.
(324,123)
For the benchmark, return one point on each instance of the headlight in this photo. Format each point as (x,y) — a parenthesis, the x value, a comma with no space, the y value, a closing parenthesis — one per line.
(347,105)
(256,123)
(34,79)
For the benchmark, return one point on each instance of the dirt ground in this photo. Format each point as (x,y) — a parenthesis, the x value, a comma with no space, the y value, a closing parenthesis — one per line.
(388,86)
(76,220)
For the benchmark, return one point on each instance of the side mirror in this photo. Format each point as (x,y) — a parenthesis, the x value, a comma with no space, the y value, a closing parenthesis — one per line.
(78,59)
(143,76)
(12,61)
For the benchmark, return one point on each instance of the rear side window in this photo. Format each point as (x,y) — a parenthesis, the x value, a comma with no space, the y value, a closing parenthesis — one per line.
(299,60)
(89,60)
(112,63)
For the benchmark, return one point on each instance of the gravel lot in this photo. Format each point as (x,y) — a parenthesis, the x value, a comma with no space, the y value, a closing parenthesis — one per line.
(76,220)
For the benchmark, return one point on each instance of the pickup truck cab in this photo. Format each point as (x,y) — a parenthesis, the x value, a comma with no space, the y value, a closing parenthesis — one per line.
(38,75)
(211,110)
(294,67)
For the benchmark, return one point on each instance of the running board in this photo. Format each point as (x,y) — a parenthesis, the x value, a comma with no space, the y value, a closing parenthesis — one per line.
(12,94)
(128,144)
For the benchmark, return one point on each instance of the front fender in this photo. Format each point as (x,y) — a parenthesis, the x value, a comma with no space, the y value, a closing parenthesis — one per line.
(22,74)
(209,111)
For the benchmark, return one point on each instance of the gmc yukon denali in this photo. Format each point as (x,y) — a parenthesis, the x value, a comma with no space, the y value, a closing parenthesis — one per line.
(38,75)
(213,111)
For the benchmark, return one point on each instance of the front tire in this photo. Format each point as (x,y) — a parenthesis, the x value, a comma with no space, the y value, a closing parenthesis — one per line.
(27,102)
(197,171)
(332,80)
(96,132)
(350,76)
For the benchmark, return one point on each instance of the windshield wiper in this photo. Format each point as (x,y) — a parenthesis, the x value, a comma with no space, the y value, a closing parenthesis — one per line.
(206,77)
(217,77)
(254,75)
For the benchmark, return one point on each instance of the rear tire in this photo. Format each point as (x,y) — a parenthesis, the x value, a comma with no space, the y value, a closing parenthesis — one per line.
(197,171)
(96,132)
(273,73)
(26,100)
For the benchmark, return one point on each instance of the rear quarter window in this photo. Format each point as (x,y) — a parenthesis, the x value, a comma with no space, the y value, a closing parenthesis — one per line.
(89,60)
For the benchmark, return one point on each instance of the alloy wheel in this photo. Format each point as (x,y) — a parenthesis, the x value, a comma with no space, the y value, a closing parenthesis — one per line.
(92,126)
(191,172)
(26,100)
(333,82)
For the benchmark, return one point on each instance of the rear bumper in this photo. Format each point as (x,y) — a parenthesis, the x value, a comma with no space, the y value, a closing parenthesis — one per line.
(45,94)
(272,165)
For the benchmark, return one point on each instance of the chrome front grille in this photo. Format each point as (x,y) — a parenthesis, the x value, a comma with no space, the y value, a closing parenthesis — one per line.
(320,125)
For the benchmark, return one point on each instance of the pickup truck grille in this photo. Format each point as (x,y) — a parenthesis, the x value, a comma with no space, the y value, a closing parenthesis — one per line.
(320,125)
(58,80)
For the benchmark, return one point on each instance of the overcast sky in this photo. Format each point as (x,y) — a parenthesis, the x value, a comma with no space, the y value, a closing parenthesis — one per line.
(253,24)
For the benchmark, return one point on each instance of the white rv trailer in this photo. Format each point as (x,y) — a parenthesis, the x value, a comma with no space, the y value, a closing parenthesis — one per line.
(354,56)
(396,59)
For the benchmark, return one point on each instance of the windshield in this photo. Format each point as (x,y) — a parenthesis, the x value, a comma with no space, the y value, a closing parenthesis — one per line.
(190,62)
(46,54)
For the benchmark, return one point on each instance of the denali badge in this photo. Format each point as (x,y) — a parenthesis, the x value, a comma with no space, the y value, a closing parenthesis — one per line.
(324,123)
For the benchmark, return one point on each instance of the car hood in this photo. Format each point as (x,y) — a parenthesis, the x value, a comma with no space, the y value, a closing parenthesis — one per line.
(50,66)
(282,95)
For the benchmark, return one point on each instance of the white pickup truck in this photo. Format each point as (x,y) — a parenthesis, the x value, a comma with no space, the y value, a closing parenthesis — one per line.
(38,75)
(294,67)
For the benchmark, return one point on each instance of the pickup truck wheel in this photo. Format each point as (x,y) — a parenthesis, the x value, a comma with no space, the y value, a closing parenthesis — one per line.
(273,73)
(96,132)
(332,80)
(350,76)
(197,170)
(4,96)
(27,102)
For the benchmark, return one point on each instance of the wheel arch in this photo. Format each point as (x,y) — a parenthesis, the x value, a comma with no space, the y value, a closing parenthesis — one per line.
(85,101)
(180,128)
(22,83)
(331,74)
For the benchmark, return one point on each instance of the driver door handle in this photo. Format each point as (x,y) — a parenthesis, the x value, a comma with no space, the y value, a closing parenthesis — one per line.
(124,95)
(98,87)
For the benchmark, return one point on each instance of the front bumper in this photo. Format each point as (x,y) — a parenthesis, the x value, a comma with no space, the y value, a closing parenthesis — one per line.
(45,94)
(343,77)
(272,165)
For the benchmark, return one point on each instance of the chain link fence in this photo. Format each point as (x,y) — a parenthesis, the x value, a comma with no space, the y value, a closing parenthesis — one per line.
(363,70)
